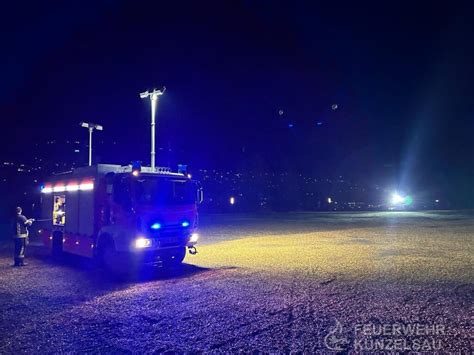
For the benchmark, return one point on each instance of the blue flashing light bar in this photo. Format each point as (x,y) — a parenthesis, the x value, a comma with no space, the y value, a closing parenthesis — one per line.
(155,226)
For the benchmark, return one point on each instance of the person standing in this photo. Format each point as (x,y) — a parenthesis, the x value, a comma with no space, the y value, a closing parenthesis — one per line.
(21,237)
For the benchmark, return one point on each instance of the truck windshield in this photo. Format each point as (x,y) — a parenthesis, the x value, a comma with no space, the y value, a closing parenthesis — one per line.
(162,191)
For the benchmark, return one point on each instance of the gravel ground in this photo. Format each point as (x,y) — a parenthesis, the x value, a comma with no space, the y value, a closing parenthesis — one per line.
(301,282)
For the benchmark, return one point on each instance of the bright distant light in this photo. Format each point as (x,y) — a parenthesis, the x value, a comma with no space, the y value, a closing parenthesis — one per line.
(232,200)
(135,173)
(185,224)
(290,125)
(397,199)
(329,200)
(189,176)
(334,107)
(141,243)
(437,201)
(155,226)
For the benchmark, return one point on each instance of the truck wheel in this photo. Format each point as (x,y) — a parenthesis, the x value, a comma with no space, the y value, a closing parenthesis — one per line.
(175,258)
(112,261)
(57,245)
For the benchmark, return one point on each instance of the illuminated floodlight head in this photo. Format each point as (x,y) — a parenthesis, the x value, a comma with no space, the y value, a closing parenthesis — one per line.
(91,125)
(153,95)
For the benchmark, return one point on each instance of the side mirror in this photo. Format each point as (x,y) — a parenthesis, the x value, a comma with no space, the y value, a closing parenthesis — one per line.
(109,183)
(199,194)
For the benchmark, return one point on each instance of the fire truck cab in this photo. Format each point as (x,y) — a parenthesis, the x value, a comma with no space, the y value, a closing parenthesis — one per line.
(122,215)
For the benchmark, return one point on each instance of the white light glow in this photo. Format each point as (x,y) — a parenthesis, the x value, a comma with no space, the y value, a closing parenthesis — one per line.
(87,186)
(141,243)
(194,238)
(74,187)
(397,199)
(232,200)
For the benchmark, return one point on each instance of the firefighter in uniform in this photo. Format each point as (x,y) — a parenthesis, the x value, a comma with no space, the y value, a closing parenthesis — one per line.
(21,236)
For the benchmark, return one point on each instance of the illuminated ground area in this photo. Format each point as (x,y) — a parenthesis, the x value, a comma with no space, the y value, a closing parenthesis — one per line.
(276,282)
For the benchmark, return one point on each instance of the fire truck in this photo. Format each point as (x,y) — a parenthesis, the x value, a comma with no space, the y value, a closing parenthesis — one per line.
(123,216)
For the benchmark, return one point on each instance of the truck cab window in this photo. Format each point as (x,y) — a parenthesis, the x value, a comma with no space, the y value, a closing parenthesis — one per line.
(161,191)
(122,191)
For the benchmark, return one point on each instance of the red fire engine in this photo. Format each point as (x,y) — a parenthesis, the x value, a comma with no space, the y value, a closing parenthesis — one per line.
(122,215)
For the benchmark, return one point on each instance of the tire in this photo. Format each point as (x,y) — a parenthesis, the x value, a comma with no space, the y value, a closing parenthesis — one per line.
(175,258)
(113,261)
(57,246)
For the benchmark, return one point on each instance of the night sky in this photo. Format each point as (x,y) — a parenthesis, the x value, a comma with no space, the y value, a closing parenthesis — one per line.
(377,91)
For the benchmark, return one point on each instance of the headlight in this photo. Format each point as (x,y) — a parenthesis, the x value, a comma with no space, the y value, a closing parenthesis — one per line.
(141,243)
(397,199)
(194,238)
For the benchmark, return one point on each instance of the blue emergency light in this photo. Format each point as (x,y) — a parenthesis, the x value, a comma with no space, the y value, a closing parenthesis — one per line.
(155,226)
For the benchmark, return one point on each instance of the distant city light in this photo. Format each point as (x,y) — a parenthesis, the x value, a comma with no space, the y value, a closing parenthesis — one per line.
(290,125)
(334,107)
(185,224)
(437,201)
(281,112)
(189,176)
(232,200)
(329,200)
